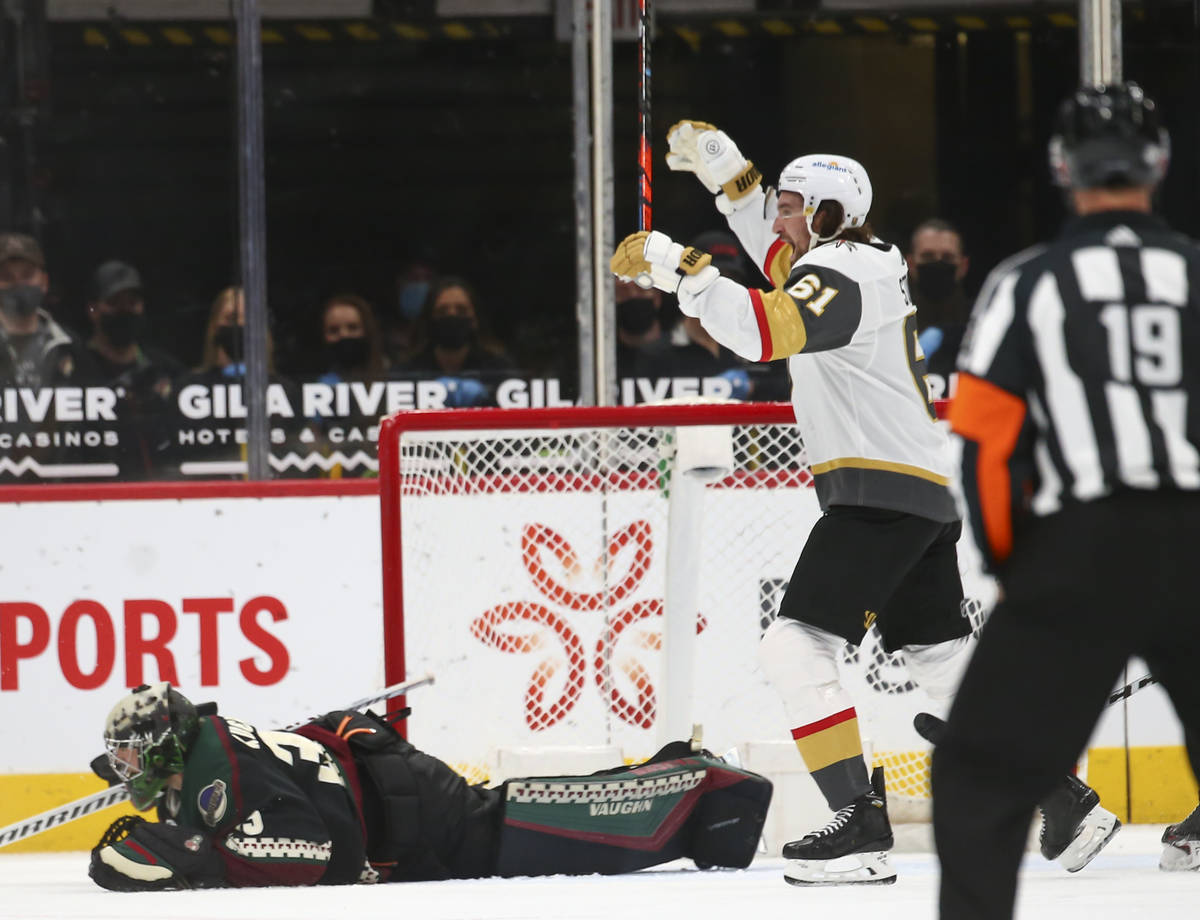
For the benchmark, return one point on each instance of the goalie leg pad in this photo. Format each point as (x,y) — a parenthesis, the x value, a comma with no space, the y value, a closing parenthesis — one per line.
(629,819)
(727,825)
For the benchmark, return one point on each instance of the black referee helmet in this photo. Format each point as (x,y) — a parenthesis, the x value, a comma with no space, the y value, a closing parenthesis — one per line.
(1109,137)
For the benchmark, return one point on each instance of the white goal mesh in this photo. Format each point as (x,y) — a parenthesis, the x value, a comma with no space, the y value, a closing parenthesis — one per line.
(530,557)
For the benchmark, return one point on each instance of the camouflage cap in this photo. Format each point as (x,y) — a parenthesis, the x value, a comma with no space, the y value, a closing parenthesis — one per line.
(21,246)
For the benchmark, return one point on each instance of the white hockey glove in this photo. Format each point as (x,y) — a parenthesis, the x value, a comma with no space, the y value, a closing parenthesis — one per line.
(655,260)
(707,151)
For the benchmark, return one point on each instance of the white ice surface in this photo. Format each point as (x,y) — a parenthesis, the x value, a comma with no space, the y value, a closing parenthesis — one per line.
(1123,883)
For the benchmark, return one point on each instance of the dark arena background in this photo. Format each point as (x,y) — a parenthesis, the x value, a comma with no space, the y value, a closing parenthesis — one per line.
(407,133)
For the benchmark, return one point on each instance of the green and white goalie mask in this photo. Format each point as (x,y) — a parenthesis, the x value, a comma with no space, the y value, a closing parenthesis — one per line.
(147,735)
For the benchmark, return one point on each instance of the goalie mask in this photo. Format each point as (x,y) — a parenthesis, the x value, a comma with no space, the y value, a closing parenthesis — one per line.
(1109,137)
(147,736)
(822,177)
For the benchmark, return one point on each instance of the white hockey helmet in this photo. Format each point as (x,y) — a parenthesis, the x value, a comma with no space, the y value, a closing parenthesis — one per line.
(824,177)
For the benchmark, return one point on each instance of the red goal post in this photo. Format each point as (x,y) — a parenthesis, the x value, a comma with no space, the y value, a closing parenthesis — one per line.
(601,576)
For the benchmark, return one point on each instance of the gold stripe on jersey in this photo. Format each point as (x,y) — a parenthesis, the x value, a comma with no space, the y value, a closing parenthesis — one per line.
(784,324)
(863,463)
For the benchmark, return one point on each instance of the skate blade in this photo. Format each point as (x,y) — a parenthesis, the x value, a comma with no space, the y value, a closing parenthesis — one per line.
(1096,830)
(857,869)
(1183,856)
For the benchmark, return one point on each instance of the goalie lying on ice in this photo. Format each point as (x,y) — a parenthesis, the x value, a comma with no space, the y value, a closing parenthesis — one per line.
(347,799)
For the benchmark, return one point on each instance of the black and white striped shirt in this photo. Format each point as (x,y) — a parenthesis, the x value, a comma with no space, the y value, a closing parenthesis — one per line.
(1080,374)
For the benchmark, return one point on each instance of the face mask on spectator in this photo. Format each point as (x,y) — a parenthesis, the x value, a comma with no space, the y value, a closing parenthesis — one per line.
(21,301)
(412,298)
(636,315)
(122,328)
(229,340)
(452,331)
(935,280)
(347,352)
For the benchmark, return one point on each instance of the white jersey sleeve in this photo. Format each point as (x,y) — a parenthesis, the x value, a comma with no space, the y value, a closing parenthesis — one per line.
(817,306)
(752,224)
(843,319)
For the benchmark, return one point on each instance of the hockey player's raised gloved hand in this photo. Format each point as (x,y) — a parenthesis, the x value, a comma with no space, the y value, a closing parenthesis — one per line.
(655,260)
(138,855)
(707,151)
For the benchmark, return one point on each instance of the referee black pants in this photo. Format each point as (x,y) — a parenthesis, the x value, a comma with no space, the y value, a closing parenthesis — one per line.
(1085,590)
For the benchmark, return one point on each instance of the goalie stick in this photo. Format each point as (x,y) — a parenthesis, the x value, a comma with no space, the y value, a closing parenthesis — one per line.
(106,798)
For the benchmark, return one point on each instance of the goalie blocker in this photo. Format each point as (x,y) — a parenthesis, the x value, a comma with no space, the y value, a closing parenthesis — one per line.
(347,799)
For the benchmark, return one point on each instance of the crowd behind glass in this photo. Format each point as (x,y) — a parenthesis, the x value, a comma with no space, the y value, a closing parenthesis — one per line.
(88,394)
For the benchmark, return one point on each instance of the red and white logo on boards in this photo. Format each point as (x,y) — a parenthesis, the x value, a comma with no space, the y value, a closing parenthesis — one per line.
(629,555)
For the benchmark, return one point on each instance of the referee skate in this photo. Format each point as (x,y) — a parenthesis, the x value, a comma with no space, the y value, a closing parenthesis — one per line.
(1075,828)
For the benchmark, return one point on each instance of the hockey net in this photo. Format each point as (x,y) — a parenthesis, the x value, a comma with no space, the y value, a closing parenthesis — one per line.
(532,557)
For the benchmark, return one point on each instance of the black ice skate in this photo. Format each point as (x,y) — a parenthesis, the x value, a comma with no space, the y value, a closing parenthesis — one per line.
(1181,845)
(849,850)
(1074,826)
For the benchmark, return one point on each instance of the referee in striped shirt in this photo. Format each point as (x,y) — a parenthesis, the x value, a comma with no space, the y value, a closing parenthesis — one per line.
(1078,403)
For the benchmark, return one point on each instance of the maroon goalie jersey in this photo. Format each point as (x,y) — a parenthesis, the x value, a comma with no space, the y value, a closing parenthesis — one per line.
(278,806)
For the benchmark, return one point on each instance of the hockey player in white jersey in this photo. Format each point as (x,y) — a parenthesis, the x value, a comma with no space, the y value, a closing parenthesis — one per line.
(883,552)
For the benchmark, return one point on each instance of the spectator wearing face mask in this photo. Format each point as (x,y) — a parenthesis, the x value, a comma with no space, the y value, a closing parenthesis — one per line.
(35,351)
(351,346)
(643,344)
(208,434)
(937,268)
(412,290)
(116,356)
(351,352)
(224,335)
(455,349)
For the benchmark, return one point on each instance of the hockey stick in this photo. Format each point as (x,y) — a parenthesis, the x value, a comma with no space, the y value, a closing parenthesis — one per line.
(385,694)
(1130,689)
(645,200)
(933,729)
(114,795)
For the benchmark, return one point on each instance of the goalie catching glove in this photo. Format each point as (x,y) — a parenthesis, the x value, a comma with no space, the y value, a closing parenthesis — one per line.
(653,259)
(707,151)
(137,855)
